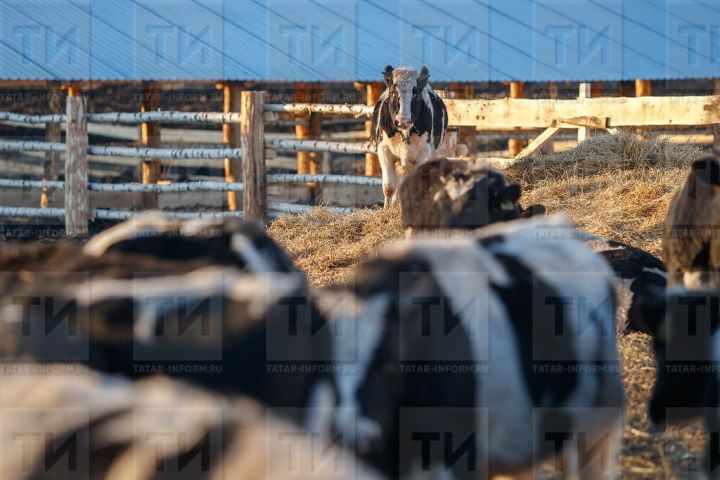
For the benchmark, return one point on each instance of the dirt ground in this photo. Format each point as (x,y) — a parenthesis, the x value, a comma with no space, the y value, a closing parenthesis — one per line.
(617,186)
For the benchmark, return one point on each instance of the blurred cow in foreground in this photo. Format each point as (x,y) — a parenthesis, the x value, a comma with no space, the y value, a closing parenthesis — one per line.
(687,352)
(409,124)
(480,356)
(78,424)
(218,304)
(691,238)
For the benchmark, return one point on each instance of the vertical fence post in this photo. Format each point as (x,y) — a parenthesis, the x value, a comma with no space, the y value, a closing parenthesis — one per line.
(252,143)
(515,145)
(372,164)
(77,208)
(53,133)
(150,137)
(231,138)
(302,130)
(716,127)
(465,135)
(584,92)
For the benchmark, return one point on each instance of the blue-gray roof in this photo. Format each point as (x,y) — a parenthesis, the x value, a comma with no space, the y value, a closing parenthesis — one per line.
(326,40)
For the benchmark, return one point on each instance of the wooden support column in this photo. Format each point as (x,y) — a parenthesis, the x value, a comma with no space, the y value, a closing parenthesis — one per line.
(716,127)
(585,92)
(515,145)
(252,143)
(150,137)
(231,138)
(373,92)
(552,90)
(643,88)
(626,89)
(306,93)
(53,133)
(466,135)
(77,208)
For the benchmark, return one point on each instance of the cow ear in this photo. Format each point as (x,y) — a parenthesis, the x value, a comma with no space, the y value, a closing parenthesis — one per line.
(423,77)
(387,75)
(512,193)
(707,170)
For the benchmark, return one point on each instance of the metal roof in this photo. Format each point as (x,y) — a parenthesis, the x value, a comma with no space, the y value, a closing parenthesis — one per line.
(328,40)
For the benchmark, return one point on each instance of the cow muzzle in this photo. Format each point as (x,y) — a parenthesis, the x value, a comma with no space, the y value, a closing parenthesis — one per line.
(403,122)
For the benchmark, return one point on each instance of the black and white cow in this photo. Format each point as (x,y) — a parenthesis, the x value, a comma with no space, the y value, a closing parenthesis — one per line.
(222,306)
(687,353)
(504,343)
(409,124)
(79,424)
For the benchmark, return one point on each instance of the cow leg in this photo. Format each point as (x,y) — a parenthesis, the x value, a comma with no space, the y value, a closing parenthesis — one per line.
(389,177)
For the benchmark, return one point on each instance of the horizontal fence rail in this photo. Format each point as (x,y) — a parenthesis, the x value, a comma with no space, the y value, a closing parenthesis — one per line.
(326,108)
(131,152)
(323,179)
(287,145)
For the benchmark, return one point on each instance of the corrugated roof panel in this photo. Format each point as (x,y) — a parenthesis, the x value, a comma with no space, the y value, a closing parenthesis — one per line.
(326,40)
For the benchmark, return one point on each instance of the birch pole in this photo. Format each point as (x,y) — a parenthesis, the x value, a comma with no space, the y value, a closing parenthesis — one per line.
(252,133)
(77,208)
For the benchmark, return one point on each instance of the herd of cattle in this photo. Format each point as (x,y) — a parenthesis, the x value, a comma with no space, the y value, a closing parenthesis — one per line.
(482,345)
(196,349)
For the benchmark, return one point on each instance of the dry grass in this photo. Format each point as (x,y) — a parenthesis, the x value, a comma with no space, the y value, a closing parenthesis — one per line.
(328,246)
(616,186)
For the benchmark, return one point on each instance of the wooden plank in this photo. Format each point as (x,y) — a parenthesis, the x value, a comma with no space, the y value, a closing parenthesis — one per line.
(510,113)
(538,143)
(302,131)
(585,92)
(465,135)
(77,210)
(515,145)
(373,92)
(53,133)
(643,88)
(252,129)
(150,137)
(231,138)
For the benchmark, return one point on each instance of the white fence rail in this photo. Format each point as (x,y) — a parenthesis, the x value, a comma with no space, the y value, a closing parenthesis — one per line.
(252,124)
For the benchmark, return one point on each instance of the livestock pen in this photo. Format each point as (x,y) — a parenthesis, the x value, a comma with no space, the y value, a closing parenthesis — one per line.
(248,148)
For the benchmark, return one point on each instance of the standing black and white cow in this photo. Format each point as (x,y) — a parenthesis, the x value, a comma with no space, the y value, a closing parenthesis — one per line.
(408,124)
(687,352)
(499,350)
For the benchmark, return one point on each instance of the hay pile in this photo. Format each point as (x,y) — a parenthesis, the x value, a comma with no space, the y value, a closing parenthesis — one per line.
(617,186)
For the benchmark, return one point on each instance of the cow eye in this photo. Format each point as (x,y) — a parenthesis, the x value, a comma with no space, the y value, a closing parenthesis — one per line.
(414,90)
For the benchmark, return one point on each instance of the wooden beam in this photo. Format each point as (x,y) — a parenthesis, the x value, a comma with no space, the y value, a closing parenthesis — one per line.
(150,137)
(515,145)
(643,88)
(302,131)
(585,92)
(231,137)
(509,113)
(465,135)
(77,208)
(23,83)
(373,90)
(252,133)
(53,133)
(539,142)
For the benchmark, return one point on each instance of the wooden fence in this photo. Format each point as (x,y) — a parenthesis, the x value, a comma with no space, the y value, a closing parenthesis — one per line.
(510,114)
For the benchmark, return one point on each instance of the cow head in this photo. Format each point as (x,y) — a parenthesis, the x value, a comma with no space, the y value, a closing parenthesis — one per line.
(684,352)
(707,171)
(405,87)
